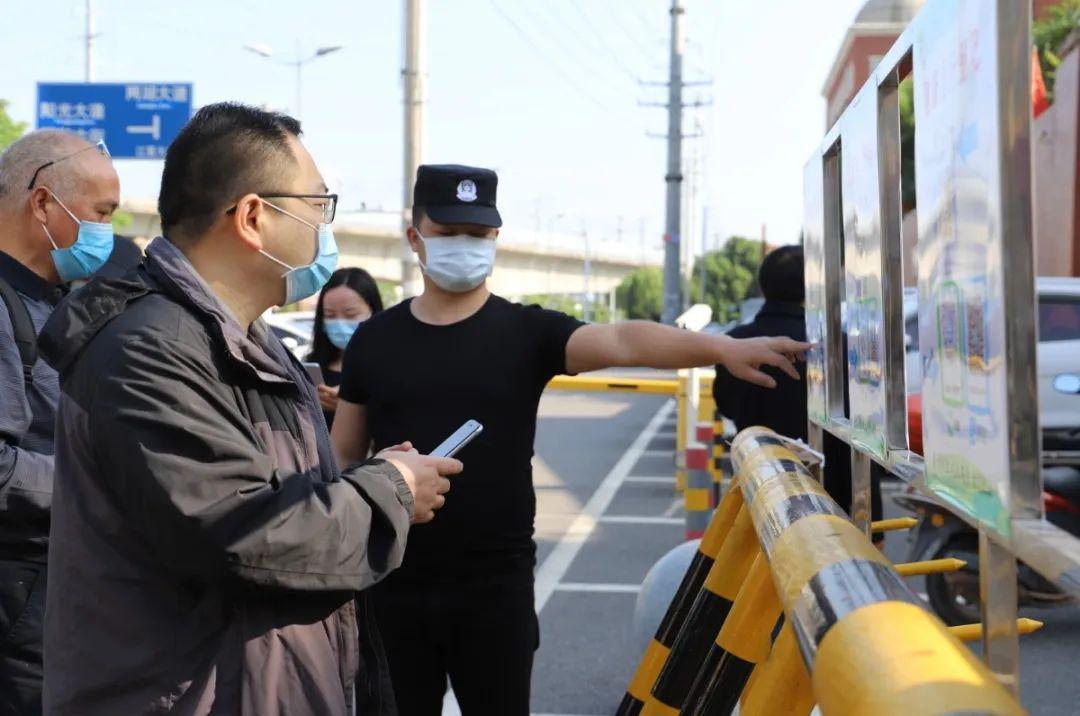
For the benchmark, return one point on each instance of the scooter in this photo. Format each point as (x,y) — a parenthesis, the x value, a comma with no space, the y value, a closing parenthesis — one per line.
(954,596)
(940,533)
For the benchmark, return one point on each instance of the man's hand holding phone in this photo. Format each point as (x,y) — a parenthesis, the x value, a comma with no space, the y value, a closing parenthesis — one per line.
(426,477)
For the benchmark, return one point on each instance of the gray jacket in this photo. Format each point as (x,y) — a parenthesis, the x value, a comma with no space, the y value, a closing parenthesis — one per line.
(205,549)
(27,419)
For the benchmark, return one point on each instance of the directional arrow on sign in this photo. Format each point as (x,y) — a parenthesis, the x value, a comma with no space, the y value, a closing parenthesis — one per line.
(153,129)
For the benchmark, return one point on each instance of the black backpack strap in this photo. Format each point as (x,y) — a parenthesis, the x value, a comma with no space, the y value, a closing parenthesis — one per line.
(23,326)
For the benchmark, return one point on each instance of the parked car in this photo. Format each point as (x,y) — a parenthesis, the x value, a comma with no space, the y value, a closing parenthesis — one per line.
(291,332)
(1056,355)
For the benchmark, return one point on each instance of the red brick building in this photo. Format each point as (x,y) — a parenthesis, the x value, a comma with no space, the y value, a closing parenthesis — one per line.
(875,29)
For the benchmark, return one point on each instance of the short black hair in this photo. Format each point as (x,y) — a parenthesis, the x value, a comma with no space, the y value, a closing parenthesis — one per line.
(418,214)
(225,151)
(781,275)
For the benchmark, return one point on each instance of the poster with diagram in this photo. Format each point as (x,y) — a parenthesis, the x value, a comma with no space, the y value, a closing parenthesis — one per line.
(961,312)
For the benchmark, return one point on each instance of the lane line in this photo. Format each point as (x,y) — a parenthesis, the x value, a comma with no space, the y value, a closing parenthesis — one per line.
(640,520)
(551,572)
(675,506)
(656,453)
(598,588)
(652,480)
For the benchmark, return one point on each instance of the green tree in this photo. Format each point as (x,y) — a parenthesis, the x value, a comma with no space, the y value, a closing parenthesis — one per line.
(1048,34)
(907,143)
(10,130)
(641,294)
(730,277)
(388,293)
(601,313)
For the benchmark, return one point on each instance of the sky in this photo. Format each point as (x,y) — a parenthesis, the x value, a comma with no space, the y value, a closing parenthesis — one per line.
(546,92)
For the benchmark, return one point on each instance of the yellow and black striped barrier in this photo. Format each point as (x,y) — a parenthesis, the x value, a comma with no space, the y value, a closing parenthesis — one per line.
(868,641)
(707,615)
(656,653)
(854,639)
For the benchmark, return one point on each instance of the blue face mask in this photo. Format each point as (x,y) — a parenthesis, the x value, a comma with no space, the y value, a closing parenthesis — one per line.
(304,281)
(92,248)
(339,331)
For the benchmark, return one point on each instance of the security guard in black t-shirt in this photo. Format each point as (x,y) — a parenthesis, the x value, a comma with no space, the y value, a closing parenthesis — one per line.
(461,605)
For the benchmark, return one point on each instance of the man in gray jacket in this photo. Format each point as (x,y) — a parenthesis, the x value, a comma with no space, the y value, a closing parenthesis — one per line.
(206,550)
(57,195)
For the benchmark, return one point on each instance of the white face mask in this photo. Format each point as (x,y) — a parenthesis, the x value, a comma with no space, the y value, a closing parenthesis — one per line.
(458,263)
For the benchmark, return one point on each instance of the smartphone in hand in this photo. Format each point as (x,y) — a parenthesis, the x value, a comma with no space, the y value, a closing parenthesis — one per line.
(460,438)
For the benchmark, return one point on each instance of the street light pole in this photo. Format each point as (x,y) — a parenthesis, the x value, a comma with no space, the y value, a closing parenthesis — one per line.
(89,41)
(586,313)
(413,74)
(297,64)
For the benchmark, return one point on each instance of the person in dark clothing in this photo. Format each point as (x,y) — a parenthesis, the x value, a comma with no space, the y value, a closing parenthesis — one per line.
(125,256)
(349,298)
(206,549)
(51,185)
(457,352)
(782,281)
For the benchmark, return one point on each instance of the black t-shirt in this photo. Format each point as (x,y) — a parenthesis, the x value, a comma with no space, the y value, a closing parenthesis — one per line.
(420,382)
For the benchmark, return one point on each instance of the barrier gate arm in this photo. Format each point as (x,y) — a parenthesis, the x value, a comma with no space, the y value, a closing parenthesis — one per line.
(867,640)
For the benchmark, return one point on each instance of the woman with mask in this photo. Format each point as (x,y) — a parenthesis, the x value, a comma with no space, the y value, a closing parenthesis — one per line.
(349,298)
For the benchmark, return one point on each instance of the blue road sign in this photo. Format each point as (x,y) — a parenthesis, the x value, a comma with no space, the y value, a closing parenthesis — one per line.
(137,120)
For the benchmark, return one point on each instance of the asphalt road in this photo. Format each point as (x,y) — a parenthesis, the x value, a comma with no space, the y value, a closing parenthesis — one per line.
(589,565)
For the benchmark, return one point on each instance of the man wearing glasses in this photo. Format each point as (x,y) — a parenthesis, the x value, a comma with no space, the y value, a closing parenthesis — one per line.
(206,549)
(57,197)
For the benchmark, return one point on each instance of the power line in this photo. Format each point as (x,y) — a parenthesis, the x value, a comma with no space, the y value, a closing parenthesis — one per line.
(649,54)
(579,51)
(649,27)
(603,43)
(544,56)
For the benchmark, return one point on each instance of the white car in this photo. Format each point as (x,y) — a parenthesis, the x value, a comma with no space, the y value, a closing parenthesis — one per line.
(295,337)
(1058,354)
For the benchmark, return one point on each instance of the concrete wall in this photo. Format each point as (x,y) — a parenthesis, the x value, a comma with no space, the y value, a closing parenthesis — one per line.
(1056,166)
(526,263)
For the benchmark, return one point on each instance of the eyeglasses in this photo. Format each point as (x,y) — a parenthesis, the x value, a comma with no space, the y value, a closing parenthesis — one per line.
(328,205)
(99,146)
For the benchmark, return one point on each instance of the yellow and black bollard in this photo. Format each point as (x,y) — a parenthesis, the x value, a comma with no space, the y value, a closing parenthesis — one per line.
(660,646)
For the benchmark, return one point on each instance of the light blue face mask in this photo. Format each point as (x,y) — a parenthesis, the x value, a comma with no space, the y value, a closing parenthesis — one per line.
(339,331)
(92,248)
(304,281)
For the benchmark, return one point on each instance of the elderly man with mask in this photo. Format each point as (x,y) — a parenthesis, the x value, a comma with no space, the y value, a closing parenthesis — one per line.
(57,196)
(206,549)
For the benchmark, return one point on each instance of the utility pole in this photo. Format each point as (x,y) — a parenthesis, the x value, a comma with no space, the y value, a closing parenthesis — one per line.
(672,275)
(673,244)
(414,135)
(89,41)
(586,303)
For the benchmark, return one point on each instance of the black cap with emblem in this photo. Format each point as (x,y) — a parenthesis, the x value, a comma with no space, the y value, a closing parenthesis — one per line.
(456,194)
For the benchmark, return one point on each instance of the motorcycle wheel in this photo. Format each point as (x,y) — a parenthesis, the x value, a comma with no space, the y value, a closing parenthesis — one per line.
(954,597)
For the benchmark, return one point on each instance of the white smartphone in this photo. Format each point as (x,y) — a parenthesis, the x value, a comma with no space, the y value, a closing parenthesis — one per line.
(461,437)
(314,371)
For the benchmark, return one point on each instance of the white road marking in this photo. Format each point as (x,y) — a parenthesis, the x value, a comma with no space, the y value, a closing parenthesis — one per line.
(675,506)
(598,588)
(653,480)
(551,572)
(640,520)
(656,453)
